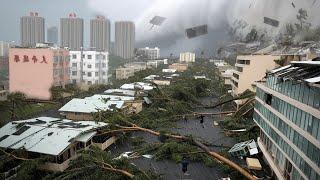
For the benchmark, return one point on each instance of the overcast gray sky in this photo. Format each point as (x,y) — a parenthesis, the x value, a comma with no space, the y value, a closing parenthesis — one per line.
(180,14)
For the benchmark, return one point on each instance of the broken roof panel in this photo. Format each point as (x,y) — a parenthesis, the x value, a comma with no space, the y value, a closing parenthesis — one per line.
(197,31)
(90,105)
(47,138)
(307,71)
(157,20)
(271,22)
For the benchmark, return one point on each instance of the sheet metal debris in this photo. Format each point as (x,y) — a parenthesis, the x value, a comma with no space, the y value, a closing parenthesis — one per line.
(271,22)
(197,31)
(157,20)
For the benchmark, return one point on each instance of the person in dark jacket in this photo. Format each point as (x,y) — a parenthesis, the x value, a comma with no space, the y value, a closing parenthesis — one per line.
(185,164)
(202,120)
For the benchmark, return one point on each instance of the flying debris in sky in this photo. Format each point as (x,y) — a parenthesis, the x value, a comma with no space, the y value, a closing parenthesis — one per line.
(293,5)
(197,31)
(157,21)
(314,2)
(271,22)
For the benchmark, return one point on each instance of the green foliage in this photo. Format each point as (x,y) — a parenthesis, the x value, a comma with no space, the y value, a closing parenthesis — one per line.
(89,165)
(175,151)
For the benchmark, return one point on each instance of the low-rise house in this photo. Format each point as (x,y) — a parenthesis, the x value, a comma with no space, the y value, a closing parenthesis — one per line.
(120,92)
(58,139)
(124,73)
(179,67)
(136,66)
(84,109)
(156,63)
(169,70)
(137,86)
(131,104)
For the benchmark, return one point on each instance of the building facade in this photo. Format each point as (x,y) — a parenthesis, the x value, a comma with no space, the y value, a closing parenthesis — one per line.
(187,57)
(52,35)
(100,34)
(249,69)
(149,53)
(287,110)
(89,67)
(4,49)
(124,73)
(124,39)
(33,71)
(179,67)
(71,32)
(32,30)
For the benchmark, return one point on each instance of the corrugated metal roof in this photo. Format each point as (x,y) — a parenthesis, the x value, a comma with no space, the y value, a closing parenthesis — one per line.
(137,85)
(120,91)
(46,135)
(111,97)
(90,105)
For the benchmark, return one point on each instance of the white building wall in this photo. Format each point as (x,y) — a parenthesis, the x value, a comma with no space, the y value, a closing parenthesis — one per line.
(94,69)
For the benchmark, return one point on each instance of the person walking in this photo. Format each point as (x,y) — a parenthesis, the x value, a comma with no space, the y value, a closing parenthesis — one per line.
(185,164)
(202,120)
(185,119)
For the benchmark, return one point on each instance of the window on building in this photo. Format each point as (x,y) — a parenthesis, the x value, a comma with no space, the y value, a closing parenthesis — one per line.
(74,73)
(74,56)
(97,82)
(89,66)
(96,73)
(268,98)
(74,81)
(74,64)
(97,65)
(55,60)
(103,73)
(240,69)
(247,62)
(89,56)
(89,83)
(103,65)
(236,75)
(89,74)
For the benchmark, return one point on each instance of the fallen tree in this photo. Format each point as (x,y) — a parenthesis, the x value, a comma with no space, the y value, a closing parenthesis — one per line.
(133,127)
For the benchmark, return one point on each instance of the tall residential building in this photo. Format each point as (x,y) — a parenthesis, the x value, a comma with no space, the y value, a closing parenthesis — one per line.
(187,57)
(89,67)
(100,34)
(33,71)
(71,32)
(149,53)
(4,49)
(287,110)
(52,35)
(124,39)
(32,30)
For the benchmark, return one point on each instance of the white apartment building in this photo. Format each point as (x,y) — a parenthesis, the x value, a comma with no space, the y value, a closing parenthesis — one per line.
(89,67)
(187,57)
(150,53)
